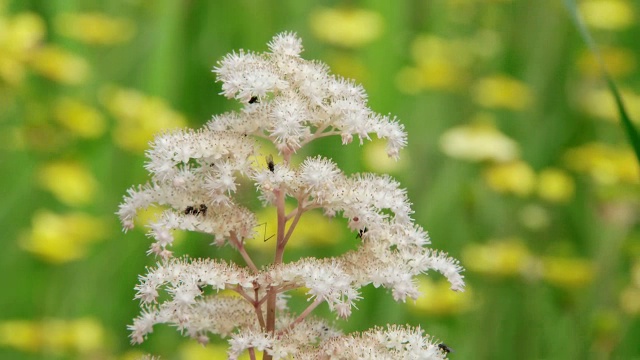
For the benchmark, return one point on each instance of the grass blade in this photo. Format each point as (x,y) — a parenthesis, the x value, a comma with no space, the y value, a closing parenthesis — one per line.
(627,125)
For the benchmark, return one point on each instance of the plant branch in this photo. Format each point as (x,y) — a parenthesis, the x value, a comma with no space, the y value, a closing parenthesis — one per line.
(303,315)
(240,246)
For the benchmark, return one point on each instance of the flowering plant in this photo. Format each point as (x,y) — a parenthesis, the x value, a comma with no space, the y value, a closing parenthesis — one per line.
(290,102)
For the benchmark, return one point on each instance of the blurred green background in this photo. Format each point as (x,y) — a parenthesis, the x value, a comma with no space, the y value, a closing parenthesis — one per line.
(516,163)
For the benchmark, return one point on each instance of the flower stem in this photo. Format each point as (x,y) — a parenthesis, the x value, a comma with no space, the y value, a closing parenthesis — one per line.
(240,246)
(303,315)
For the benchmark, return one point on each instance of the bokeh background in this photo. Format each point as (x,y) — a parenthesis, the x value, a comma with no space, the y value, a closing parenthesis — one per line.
(516,163)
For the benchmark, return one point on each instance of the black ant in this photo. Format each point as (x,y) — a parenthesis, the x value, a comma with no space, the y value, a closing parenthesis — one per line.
(253,100)
(270,164)
(192,210)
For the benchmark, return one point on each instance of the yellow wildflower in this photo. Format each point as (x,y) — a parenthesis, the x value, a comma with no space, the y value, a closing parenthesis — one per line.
(599,102)
(555,185)
(478,141)
(79,118)
(437,298)
(86,334)
(376,159)
(567,272)
(95,28)
(516,177)
(440,64)
(618,61)
(21,33)
(20,334)
(635,274)
(346,27)
(62,238)
(60,65)
(534,217)
(19,36)
(630,300)
(502,91)
(71,183)
(58,336)
(506,257)
(607,14)
(429,48)
(604,163)
(139,117)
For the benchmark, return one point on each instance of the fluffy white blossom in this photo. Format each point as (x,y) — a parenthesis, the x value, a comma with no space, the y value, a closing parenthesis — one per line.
(194,177)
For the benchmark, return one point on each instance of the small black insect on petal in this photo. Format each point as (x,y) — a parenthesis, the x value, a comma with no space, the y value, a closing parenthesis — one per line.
(270,164)
(203,209)
(445,348)
(193,210)
(361,232)
(253,100)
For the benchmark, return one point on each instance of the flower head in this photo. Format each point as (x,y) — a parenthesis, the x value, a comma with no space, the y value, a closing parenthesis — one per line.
(194,177)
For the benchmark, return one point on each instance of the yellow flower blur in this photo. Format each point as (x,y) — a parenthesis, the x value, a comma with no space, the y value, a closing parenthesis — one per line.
(555,185)
(95,28)
(514,178)
(606,164)
(139,117)
(376,159)
(504,258)
(630,300)
(70,182)
(19,36)
(502,91)
(81,336)
(62,238)
(20,334)
(477,142)
(607,14)
(567,272)
(346,27)
(437,298)
(79,118)
(440,64)
(618,61)
(599,102)
(534,217)
(60,65)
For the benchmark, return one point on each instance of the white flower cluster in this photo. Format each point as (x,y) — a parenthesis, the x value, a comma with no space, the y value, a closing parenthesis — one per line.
(289,101)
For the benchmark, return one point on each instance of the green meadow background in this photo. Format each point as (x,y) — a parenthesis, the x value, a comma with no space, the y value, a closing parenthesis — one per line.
(516,164)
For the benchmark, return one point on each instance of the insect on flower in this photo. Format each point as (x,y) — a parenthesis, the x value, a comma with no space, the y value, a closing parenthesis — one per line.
(270,164)
(192,210)
(361,232)
(253,100)
(445,348)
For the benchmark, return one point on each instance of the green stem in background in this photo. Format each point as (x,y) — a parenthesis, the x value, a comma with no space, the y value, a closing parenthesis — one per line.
(627,125)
